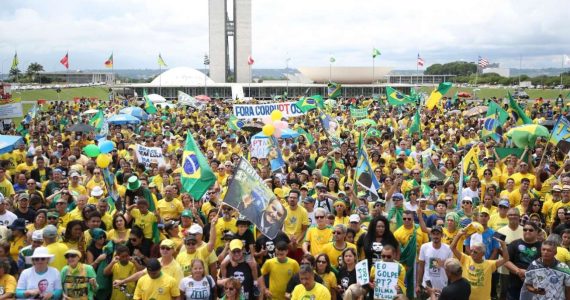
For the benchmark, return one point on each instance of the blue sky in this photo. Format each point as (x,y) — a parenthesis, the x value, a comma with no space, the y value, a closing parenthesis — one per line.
(306,31)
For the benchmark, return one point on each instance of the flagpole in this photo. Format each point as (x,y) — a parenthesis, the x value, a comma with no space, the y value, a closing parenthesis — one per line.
(249,83)
(373,73)
(67,72)
(159,79)
(561,72)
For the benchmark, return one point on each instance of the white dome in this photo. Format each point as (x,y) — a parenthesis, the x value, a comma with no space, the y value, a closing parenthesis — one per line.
(181,76)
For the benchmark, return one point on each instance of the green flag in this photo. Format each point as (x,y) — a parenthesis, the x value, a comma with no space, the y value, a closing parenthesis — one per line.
(518,113)
(373,133)
(15,61)
(334,90)
(328,167)
(161,62)
(306,103)
(396,98)
(375,52)
(148,105)
(308,137)
(359,113)
(234,123)
(196,175)
(416,123)
(455,98)
(97,120)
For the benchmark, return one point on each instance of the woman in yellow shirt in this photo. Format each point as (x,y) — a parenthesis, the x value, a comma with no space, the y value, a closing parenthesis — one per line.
(39,223)
(324,270)
(18,240)
(119,233)
(340,212)
(73,237)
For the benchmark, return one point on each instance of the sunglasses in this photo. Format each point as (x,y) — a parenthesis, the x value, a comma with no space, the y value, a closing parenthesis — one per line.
(52,218)
(70,256)
(39,259)
(191,242)
(231,289)
(165,248)
(407,219)
(466,202)
(338,232)
(528,230)
(324,262)
(319,217)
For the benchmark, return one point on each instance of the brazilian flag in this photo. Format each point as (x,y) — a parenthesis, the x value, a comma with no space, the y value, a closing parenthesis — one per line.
(306,103)
(97,120)
(334,90)
(234,123)
(308,137)
(148,105)
(517,112)
(196,176)
(396,98)
(373,133)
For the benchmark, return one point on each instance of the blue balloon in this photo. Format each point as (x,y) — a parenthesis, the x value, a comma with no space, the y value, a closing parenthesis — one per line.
(106,146)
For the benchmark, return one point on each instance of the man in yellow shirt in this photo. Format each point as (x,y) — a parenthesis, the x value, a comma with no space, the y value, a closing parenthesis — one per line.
(156,285)
(169,207)
(54,247)
(279,269)
(476,269)
(335,248)
(6,187)
(296,223)
(309,289)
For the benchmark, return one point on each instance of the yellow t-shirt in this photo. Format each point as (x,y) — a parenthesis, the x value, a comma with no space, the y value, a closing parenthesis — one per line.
(562,254)
(221,226)
(58,250)
(114,235)
(79,189)
(329,280)
(162,288)
(403,235)
(333,253)
(401,276)
(8,284)
(174,270)
(479,276)
(121,272)
(16,245)
(144,221)
(318,291)
(318,238)
(295,220)
(184,259)
(496,222)
(6,188)
(170,210)
(279,275)
(448,237)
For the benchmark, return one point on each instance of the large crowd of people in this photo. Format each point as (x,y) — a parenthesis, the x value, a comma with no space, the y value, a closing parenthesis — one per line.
(501,230)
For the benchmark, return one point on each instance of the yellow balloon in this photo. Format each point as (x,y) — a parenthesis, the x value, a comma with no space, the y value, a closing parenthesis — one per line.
(268,129)
(276,115)
(103,160)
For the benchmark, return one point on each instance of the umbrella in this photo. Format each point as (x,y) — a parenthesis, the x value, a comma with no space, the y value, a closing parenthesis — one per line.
(463,95)
(9,142)
(365,122)
(80,127)
(203,98)
(477,110)
(90,112)
(454,112)
(286,133)
(526,135)
(121,119)
(135,111)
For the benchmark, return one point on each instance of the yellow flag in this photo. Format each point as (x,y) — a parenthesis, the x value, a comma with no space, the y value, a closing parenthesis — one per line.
(437,94)
(471,158)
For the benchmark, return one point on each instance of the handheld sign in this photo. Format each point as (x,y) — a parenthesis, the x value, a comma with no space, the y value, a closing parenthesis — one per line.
(362,276)
(386,280)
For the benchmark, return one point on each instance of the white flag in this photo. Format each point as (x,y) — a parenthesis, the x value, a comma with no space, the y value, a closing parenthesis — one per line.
(566,60)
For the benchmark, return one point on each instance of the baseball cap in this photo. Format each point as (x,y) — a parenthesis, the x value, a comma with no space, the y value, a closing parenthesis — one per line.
(304,187)
(236,244)
(74,174)
(73,252)
(320,185)
(362,209)
(484,210)
(504,203)
(566,187)
(195,229)
(53,214)
(398,196)
(354,218)
(50,231)
(557,188)
(467,198)
(168,243)
(437,228)
(190,237)
(37,235)
(186,213)
(153,265)
(309,200)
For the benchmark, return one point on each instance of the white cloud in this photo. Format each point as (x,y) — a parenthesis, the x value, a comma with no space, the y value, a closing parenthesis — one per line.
(307,31)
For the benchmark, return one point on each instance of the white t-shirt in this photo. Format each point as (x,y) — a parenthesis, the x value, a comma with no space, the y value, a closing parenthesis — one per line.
(196,290)
(7,218)
(46,282)
(432,269)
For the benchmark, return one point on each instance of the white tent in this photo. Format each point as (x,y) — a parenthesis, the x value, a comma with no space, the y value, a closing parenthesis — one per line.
(156,98)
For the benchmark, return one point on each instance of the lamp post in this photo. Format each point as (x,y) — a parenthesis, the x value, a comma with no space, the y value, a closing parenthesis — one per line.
(287,77)
(206,64)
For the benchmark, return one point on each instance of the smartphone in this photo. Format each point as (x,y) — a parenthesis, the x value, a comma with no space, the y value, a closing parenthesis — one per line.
(428,284)
(499,236)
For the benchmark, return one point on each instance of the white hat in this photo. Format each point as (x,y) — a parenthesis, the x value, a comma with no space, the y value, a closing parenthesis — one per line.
(97,191)
(38,235)
(354,218)
(42,252)
(195,229)
(467,198)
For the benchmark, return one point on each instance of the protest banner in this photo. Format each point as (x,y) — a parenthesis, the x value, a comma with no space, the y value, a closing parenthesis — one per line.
(254,200)
(362,276)
(259,147)
(386,280)
(359,113)
(11,108)
(250,111)
(146,155)
(187,100)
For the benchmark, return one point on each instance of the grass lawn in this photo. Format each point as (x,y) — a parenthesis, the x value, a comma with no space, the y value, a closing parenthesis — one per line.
(101,92)
(502,92)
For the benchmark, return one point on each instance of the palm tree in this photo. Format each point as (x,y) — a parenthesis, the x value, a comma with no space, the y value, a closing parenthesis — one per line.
(33,69)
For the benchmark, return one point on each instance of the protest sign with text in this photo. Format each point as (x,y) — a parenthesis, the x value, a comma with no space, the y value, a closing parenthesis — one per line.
(146,155)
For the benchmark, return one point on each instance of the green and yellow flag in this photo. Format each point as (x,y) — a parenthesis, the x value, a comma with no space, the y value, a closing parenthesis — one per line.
(148,105)
(306,103)
(517,112)
(196,175)
(416,123)
(15,61)
(375,52)
(437,94)
(396,98)
(97,120)
(161,62)
(334,90)
(234,123)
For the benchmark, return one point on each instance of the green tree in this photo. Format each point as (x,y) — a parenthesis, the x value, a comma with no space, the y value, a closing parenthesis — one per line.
(33,69)
(14,73)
